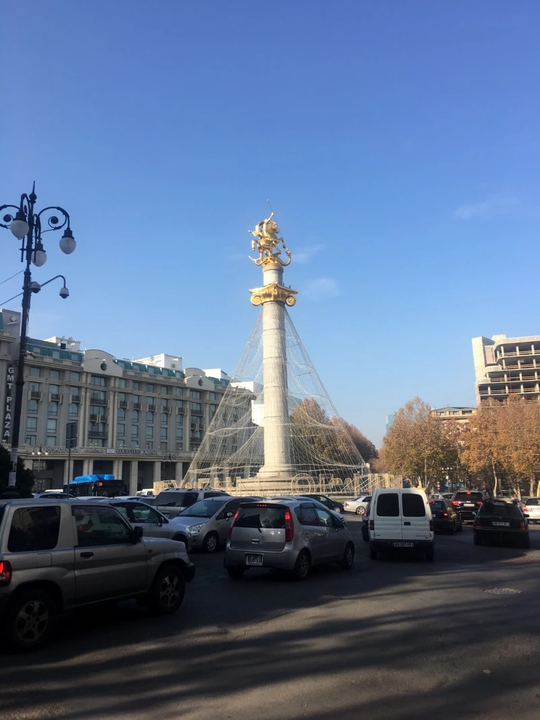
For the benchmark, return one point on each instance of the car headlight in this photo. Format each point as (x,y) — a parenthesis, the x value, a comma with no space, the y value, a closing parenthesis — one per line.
(196,529)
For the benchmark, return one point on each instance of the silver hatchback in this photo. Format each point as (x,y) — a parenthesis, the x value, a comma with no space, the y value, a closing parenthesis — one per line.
(290,535)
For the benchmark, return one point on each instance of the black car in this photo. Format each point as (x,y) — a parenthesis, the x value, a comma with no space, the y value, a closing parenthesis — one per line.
(365,522)
(501,521)
(445,517)
(467,503)
(325,500)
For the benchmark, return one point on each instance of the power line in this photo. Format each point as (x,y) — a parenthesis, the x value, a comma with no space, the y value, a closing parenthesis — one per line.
(11,278)
(11,298)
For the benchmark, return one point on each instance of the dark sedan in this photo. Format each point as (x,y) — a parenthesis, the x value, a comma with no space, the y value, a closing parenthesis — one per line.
(325,500)
(500,521)
(467,502)
(445,517)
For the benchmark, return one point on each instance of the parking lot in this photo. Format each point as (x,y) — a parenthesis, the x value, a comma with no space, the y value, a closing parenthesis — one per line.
(393,638)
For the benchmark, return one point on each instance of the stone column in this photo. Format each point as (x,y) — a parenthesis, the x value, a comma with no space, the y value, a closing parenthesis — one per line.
(117,469)
(133,472)
(157,471)
(86,466)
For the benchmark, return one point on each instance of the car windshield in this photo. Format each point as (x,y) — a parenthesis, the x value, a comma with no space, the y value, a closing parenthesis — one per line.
(204,508)
(500,509)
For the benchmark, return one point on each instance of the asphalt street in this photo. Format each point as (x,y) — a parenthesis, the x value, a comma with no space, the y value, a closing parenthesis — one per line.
(396,639)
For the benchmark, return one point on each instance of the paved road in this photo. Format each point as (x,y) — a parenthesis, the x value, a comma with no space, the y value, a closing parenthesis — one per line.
(392,639)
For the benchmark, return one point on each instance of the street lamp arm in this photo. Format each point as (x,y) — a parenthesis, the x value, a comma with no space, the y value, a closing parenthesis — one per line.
(53,222)
(7,218)
(54,278)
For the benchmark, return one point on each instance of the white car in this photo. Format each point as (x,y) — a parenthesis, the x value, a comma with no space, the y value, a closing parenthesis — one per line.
(532,509)
(357,506)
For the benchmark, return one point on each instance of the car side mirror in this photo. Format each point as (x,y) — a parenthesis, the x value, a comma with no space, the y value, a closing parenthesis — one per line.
(137,534)
(229,515)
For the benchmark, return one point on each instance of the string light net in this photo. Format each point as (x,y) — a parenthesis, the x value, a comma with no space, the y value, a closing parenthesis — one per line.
(321,449)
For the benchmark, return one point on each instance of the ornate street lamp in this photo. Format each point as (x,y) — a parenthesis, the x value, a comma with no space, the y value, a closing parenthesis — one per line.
(27,226)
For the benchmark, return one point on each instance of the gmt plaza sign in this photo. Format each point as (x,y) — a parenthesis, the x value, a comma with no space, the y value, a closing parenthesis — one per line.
(8,405)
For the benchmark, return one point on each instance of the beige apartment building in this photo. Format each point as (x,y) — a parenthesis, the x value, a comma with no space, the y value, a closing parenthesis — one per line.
(141,420)
(506,366)
(459,414)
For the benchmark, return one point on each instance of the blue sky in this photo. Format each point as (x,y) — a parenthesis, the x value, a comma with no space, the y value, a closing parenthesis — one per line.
(398,143)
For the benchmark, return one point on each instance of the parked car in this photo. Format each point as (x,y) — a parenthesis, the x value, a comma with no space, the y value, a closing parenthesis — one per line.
(445,517)
(501,521)
(148,499)
(172,502)
(63,554)
(326,501)
(365,522)
(288,535)
(53,495)
(467,502)
(532,509)
(151,521)
(317,503)
(207,522)
(400,518)
(356,506)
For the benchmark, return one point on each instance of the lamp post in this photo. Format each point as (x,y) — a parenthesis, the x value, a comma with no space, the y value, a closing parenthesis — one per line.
(26,225)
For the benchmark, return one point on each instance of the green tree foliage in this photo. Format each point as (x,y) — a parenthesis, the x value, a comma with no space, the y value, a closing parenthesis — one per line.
(25,477)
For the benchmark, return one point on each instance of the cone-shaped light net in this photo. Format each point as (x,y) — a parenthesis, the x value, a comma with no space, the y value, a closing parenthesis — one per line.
(321,448)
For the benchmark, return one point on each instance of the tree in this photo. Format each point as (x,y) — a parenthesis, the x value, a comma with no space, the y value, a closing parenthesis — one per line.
(25,478)
(520,430)
(365,447)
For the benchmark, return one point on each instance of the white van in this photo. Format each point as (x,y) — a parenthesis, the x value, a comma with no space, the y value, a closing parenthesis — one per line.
(400,518)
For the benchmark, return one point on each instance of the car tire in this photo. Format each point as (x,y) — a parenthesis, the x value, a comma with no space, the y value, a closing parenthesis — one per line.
(302,567)
(236,572)
(340,509)
(526,543)
(211,542)
(359,510)
(430,554)
(365,536)
(168,590)
(452,528)
(477,539)
(348,557)
(30,620)
(373,554)
(181,538)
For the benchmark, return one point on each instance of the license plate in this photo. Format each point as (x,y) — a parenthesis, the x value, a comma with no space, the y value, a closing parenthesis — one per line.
(500,524)
(254,559)
(403,544)
(468,504)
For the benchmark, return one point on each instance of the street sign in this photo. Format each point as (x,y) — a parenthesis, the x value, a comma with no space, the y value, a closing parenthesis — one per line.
(71,434)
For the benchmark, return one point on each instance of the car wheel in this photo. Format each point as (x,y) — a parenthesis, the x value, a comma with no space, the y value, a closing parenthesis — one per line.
(237,572)
(340,509)
(359,510)
(365,536)
(211,542)
(477,539)
(167,591)
(181,538)
(452,528)
(372,553)
(30,620)
(430,554)
(526,543)
(302,566)
(348,557)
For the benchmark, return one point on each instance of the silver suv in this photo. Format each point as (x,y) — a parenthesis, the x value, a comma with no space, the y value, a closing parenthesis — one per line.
(151,521)
(63,554)
(291,535)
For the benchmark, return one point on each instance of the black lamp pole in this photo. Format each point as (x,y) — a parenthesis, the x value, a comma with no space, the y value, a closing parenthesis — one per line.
(26,226)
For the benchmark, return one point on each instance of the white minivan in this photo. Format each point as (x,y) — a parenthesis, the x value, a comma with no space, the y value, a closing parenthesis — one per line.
(400,518)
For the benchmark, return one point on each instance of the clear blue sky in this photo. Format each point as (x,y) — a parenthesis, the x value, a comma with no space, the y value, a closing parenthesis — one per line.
(398,142)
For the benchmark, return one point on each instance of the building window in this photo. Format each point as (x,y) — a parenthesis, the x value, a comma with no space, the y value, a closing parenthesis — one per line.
(164,418)
(35,372)
(96,442)
(195,394)
(122,397)
(197,407)
(31,424)
(122,383)
(51,426)
(54,374)
(179,404)
(98,381)
(53,408)
(178,391)
(134,432)
(120,430)
(121,414)
(149,418)
(75,391)
(50,440)
(54,389)
(30,439)
(164,403)
(97,410)
(213,409)
(149,432)
(163,446)
(33,407)
(149,445)
(135,416)
(179,433)
(149,388)
(164,390)
(179,445)
(179,420)
(135,385)
(214,396)
(35,387)
(73,410)
(163,433)
(120,443)
(75,376)
(136,399)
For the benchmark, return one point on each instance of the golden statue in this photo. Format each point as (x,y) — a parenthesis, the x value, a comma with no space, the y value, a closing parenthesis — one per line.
(266,241)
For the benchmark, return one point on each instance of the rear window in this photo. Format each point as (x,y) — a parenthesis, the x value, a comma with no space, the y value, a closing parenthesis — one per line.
(174,499)
(413,505)
(388,505)
(261,517)
(438,505)
(307,516)
(34,528)
(502,509)
(469,496)
(530,501)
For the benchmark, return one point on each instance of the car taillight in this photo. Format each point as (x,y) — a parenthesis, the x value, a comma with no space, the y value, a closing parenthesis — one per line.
(289,526)
(477,523)
(455,502)
(232,524)
(479,502)
(445,514)
(5,573)
(525,509)
(372,524)
(523,525)
(365,515)
(431,526)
